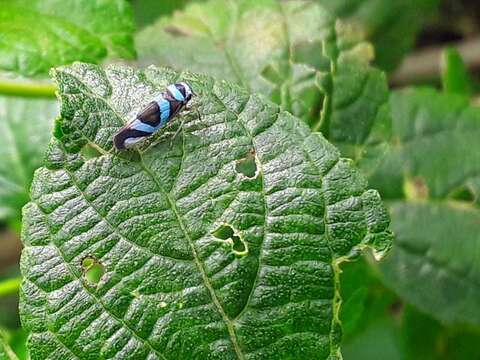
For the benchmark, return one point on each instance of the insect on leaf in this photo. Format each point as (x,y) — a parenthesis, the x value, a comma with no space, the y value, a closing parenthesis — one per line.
(198,260)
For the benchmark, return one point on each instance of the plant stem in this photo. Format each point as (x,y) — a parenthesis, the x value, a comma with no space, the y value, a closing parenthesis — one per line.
(27,88)
(10,286)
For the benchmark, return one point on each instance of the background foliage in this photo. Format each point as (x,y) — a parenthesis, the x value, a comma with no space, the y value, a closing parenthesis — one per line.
(336,70)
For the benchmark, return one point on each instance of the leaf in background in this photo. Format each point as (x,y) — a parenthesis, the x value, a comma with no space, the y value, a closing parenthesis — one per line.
(147,11)
(277,49)
(379,341)
(434,264)
(434,157)
(426,339)
(364,298)
(252,43)
(455,76)
(355,110)
(411,335)
(6,352)
(40,34)
(25,125)
(175,284)
(391,26)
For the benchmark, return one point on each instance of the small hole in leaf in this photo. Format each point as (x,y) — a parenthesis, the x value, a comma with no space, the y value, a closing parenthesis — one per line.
(227,234)
(92,270)
(89,152)
(247,166)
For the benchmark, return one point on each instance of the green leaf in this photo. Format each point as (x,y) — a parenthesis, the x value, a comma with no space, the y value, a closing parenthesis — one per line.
(434,150)
(434,261)
(355,105)
(364,298)
(40,34)
(147,11)
(426,339)
(355,280)
(6,352)
(429,175)
(455,76)
(391,26)
(25,125)
(293,52)
(166,223)
(379,341)
(9,286)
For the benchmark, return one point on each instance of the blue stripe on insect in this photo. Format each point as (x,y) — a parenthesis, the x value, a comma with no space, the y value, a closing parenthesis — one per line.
(175,92)
(164,106)
(154,116)
(141,126)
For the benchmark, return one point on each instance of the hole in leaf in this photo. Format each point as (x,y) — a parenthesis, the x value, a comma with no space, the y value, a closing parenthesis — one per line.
(247,166)
(227,234)
(92,270)
(89,152)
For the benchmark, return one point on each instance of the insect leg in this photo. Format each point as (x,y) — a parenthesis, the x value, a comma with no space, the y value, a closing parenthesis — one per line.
(180,127)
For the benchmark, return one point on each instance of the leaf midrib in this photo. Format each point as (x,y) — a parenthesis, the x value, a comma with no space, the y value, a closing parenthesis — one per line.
(197,261)
(206,281)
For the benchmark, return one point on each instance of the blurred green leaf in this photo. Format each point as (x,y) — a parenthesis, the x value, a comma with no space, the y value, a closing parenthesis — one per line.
(428,172)
(25,125)
(434,151)
(355,114)
(18,343)
(379,341)
(172,286)
(364,298)
(147,11)
(6,352)
(391,25)
(355,281)
(435,261)
(40,34)
(9,286)
(455,76)
(427,339)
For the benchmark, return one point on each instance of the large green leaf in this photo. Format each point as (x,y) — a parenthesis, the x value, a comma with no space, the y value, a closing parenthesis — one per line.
(198,259)
(430,174)
(293,52)
(25,125)
(40,34)
(434,264)
(392,25)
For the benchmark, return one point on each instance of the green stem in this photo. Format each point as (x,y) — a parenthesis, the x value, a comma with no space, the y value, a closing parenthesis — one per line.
(27,89)
(10,286)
